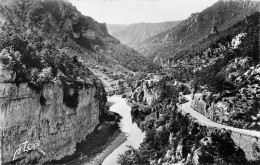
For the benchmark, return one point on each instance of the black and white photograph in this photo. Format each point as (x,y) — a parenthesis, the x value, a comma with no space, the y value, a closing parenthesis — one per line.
(129,82)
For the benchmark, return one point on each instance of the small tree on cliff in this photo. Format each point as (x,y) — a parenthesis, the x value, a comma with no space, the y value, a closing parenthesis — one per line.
(254,109)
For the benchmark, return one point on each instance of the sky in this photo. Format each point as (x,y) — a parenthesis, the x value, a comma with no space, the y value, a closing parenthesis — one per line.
(136,11)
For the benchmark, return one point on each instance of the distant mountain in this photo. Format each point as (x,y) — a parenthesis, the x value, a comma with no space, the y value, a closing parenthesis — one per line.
(59,23)
(198,26)
(112,28)
(134,34)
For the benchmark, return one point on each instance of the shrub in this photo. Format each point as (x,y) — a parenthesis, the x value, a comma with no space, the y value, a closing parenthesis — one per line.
(38,63)
(6,59)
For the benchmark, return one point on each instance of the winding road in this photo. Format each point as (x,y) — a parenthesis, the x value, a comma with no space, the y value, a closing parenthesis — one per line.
(186,107)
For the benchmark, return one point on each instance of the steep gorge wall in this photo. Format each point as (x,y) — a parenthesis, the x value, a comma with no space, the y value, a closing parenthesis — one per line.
(32,131)
(246,141)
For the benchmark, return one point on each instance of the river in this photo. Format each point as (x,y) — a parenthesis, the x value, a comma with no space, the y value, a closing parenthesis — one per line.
(134,135)
(98,148)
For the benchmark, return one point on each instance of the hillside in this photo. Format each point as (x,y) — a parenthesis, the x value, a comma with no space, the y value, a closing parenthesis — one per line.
(225,69)
(59,23)
(112,28)
(136,33)
(220,76)
(191,31)
(231,68)
(50,101)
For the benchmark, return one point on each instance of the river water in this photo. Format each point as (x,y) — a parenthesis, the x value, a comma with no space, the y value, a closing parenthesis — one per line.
(134,135)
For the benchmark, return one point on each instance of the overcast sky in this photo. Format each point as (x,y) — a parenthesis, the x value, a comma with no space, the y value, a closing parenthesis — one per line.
(135,11)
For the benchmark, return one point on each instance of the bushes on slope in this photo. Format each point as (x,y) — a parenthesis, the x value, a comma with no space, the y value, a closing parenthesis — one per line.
(38,63)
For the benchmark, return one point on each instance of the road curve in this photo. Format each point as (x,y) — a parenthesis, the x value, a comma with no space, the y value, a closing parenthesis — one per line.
(186,107)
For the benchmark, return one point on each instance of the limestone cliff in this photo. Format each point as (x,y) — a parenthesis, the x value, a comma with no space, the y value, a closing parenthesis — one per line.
(146,91)
(37,126)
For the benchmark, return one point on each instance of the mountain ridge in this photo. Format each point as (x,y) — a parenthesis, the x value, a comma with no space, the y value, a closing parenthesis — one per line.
(136,33)
(60,22)
(115,27)
(222,14)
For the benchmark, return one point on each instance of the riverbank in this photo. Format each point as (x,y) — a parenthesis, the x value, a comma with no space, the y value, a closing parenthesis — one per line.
(109,139)
(119,139)
(93,148)
(134,134)
(129,135)
(106,137)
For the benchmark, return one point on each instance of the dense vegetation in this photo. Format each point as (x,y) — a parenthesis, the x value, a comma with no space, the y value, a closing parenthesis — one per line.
(130,58)
(45,41)
(38,59)
(58,22)
(220,66)
(247,48)
(215,75)
(226,65)
(38,63)
(172,136)
(223,14)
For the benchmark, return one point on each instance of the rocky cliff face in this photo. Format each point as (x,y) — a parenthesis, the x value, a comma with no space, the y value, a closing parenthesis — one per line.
(142,92)
(146,91)
(226,112)
(201,105)
(39,127)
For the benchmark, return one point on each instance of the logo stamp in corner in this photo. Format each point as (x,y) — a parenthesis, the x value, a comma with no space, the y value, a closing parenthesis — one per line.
(27,146)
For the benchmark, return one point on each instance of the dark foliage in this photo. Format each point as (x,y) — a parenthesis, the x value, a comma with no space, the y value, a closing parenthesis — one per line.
(194,30)
(37,62)
(58,23)
(221,149)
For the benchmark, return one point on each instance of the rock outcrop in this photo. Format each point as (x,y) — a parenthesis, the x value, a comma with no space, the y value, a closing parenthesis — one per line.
(200,104)
(145,91)
(37,127)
